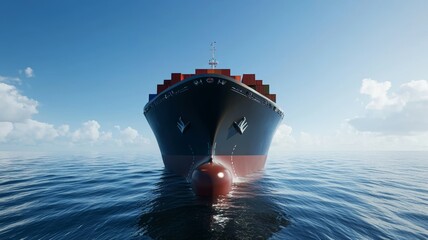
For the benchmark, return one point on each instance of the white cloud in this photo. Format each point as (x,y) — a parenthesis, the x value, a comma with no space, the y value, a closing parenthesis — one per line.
(392,121)
(63,130)
(29,72)
(374,88)
(14,106)
(404,112)
(19,129)
(129,135)
(414,91)
(9,79)
(31,130)
(283,136)
(89,131)
(378,92)
(5,129)
(15,118)
(347,138)
(106,136)
(88,136)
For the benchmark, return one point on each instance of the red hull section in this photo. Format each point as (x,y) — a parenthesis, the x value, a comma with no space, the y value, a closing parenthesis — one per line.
(238,165)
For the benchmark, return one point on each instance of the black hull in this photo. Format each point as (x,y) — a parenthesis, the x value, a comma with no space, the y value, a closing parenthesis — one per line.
(209,108)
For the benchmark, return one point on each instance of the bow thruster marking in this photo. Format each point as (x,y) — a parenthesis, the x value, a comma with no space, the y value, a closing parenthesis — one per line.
(241,125)
(181,125)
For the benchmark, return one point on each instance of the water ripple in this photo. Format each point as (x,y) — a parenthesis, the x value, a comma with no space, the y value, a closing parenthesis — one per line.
(377,195)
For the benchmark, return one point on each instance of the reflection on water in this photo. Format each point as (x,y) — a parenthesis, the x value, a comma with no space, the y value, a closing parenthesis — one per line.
(248,212)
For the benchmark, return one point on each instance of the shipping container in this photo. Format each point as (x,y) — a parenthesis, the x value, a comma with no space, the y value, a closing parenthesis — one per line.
(225,72)
(161,88)
(175,78)
(201,71)
(167,82)
(272,97)
(249,79)
(266,87)
(185,76)
(260,89)
(237,78)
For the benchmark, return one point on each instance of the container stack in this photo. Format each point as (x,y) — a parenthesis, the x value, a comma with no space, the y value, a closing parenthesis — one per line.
(248,79)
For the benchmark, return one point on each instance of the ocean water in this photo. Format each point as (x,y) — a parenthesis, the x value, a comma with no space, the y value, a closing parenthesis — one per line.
(327,195)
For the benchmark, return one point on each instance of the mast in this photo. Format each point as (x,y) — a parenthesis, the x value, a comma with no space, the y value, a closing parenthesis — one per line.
(213,62)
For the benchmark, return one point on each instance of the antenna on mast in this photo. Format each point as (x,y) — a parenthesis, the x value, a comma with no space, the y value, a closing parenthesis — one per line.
(213,62)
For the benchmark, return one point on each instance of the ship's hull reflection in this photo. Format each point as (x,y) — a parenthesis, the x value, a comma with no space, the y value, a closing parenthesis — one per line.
(248,212)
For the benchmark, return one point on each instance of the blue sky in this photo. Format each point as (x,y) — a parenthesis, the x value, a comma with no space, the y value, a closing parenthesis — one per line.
(343,71)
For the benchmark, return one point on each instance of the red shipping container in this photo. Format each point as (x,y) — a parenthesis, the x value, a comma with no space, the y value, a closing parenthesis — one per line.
(167,82)
(272,97)
(201,71)
(225,72)
(219,71)
(260,89)
(266,87)
(237,78)
(161,88)
(175,78)
(249,79)
(184,76)
(259,82)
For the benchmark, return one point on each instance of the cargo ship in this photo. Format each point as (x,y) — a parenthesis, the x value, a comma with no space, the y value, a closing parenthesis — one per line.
(213,127)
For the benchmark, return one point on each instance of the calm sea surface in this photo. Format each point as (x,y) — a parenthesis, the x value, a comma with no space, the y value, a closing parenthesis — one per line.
(375,195)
